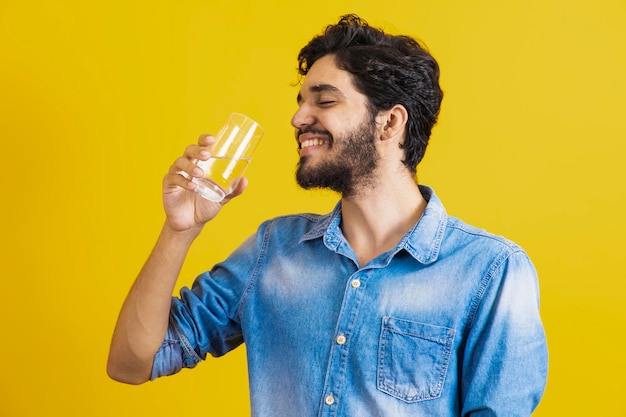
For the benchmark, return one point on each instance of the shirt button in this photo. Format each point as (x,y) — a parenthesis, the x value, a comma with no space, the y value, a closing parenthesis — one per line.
(341,339)
(356,283)
(330,400)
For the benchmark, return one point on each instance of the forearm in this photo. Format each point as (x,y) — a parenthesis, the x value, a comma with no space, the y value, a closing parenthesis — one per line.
(143,319)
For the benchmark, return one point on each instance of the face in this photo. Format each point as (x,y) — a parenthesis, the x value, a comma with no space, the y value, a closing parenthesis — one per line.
(335,131)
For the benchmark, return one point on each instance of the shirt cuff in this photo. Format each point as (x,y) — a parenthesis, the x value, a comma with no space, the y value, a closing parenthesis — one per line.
(173,355)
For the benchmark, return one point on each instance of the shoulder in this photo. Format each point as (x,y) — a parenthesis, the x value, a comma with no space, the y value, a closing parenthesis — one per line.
(451,236)
(297,220)
(467,233)
(295,226)
(478,245)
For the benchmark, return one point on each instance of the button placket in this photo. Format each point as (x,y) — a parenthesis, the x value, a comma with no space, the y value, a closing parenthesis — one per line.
(347,320)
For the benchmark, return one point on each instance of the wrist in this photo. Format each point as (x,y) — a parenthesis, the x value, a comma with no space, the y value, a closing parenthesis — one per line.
(186,236)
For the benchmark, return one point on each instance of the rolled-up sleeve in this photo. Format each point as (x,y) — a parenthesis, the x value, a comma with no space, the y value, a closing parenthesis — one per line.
(173,355)
(204,319)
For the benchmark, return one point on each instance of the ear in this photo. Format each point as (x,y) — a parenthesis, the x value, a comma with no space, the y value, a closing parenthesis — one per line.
(392,122)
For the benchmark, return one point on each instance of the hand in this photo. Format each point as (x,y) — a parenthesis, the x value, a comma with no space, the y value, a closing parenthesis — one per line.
(184,208)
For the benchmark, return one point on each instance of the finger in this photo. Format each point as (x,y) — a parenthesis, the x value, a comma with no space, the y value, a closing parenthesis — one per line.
(197,152)
(206,142)
(174,180)
(186,167)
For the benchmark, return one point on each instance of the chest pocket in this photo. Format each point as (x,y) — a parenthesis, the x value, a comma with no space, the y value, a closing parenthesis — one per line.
(413,359)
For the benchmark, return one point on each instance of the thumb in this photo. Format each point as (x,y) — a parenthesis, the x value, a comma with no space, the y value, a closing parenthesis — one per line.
(242,184)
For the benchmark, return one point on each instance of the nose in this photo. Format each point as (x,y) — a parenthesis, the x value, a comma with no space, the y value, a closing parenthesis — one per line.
(303,117)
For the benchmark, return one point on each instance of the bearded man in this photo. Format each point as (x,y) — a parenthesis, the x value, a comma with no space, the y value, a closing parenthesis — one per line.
(386,306)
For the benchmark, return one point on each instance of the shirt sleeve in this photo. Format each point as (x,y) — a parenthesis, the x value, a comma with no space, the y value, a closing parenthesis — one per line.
(204,319)
(173,355)
(506,358)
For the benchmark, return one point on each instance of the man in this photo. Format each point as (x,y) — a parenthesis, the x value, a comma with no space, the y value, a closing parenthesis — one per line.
(384,307)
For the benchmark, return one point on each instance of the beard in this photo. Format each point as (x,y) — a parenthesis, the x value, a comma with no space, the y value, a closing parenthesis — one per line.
(350,166)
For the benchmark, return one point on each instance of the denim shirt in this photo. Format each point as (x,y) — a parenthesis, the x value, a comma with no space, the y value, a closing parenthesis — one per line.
(445,324)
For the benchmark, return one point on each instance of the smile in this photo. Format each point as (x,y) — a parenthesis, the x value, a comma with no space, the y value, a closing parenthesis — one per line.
(312,142)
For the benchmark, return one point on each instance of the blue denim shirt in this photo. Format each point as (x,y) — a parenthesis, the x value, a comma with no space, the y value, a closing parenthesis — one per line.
(445,324)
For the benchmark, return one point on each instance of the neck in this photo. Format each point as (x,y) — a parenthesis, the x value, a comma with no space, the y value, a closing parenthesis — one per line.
(374,220)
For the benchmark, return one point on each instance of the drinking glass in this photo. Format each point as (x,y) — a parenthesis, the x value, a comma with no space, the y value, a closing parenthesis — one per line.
(235,144)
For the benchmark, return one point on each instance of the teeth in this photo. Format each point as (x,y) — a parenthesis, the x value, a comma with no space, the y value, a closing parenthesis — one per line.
(312,142)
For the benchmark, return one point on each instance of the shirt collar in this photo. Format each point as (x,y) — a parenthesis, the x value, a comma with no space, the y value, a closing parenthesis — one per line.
(423,241)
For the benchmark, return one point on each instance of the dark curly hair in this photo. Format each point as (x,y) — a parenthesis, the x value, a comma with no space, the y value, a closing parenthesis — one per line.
(388,70)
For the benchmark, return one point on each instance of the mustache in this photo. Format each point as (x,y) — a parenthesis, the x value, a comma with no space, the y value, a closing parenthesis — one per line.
(314,130)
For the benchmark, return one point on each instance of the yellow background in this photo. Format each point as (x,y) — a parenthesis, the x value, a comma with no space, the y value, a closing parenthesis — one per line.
(97,98)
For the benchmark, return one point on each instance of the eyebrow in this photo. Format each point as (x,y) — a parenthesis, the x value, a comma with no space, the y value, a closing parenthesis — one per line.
(321,88)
